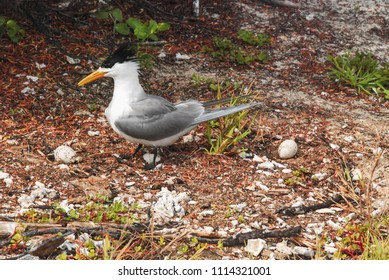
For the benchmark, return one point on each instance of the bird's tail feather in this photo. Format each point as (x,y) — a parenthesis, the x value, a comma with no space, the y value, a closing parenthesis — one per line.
(224,100)
(222,112)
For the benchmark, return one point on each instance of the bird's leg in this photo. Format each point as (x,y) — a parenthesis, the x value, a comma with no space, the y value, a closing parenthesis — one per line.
(149,166)
(123,157)
(137,150)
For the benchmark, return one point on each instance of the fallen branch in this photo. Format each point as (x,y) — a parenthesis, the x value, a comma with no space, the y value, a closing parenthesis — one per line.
(241,238)
(291,211)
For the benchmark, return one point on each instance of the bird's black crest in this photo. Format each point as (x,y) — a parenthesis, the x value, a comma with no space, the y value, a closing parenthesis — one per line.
(125,52)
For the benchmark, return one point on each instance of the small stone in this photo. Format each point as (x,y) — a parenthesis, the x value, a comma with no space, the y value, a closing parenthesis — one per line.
(319,176)
(325,211)
(12,142)
(334,146)
(304,251)
(32,78)
(239,206)
(283,248)
(182,56)
(93,133)
(72,60)
(349,138)
(356,174)
(266,165)
(262,186)
(287,149)
(205,213)
(333,225)
(149,158)
(377,151)
(255,246)
(299,202)
(188,138)
(208,229)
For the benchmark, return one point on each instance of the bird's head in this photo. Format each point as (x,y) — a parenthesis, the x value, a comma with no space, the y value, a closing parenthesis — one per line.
(121,62)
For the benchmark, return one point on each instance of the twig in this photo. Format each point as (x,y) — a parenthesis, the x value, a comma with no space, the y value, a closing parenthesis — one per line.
(241,238)
(291,211)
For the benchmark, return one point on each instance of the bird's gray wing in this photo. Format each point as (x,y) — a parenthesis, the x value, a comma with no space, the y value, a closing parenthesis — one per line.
(221,112)
(155,118)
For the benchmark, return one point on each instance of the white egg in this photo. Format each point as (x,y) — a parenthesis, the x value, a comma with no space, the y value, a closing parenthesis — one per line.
(287,149)
(65,154)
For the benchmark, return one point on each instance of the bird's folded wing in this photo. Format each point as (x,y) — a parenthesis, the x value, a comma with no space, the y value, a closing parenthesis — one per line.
(152,120)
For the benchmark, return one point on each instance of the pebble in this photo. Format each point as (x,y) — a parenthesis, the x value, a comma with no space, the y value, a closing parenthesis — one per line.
(239,206)
(283,248)
(255,246)
(349,138)
(65,154)
(149,158)
(147,196)
(299,202)
(208,229)
(182,56)
(356,174)
(7,179)
(266,165)
(205,213)
(325,211)
(377,151)
(262,186)
(287,149)
(334,146)
(93,133)
(304,251)
(333,225)
(319,176)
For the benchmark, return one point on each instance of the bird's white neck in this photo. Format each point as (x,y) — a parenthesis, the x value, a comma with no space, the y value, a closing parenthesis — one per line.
(127,87)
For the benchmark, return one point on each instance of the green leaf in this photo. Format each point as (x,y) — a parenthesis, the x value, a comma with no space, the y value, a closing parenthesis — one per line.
(122,28)
(102,14)
(141,32)
(117,14)
(2,20)
(153,37)
(163,26)
(11,24)
(134,23)
(152,27)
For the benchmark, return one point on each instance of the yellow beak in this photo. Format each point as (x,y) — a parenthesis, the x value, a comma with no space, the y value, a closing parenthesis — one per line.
(91,77)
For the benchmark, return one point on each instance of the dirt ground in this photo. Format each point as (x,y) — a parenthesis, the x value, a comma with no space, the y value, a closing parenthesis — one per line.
(334,126)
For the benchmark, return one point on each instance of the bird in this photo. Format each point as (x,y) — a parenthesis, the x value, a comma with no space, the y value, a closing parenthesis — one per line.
(147,119)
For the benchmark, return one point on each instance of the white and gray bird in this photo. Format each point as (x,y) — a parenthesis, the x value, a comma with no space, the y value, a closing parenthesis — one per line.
(147,119)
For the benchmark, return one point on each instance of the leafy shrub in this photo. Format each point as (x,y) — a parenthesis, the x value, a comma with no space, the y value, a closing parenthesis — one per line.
(361,71)
(12,29)
(225,133)
(225,48)
(257,39)
(143,31)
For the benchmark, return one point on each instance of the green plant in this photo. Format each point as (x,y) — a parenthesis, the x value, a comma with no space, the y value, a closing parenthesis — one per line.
(361,71)
(226,132)
(142,30)
(146,30)
(257,39)
(12,29)
(224,48)
(364,241)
